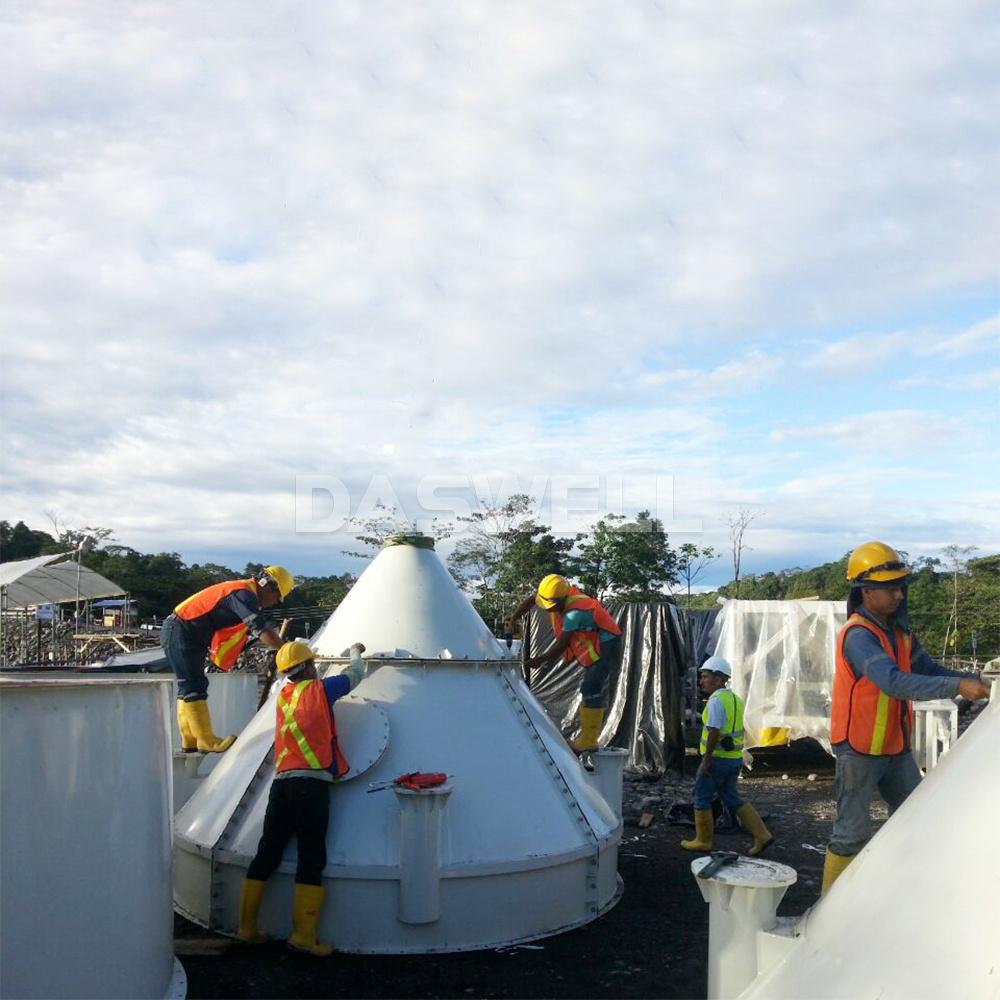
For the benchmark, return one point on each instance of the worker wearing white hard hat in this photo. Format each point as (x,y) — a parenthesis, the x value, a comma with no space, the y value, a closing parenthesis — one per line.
(880,669)
(721,761)
(217,621)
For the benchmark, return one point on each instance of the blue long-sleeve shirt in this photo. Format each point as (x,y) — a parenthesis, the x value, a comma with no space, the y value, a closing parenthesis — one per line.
(866,658)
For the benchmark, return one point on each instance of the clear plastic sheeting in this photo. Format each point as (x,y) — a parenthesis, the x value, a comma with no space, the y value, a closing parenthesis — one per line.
(782,654)
(645,694)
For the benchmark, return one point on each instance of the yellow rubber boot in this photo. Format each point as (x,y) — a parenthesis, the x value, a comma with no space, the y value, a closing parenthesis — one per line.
(750,818)
(591,721)
(253,892)
(704,827)
(833,868)
(201,725)
(189,743)
(306,905)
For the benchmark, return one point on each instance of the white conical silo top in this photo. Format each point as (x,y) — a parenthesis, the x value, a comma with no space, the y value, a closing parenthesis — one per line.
(407,604)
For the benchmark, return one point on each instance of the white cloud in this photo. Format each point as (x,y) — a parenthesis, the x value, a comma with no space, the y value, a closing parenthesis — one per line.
(244,241)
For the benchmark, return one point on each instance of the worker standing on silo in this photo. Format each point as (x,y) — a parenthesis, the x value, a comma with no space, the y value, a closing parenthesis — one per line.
(218,621)
(880,669)
(721,761)
(307,759)
(584,632)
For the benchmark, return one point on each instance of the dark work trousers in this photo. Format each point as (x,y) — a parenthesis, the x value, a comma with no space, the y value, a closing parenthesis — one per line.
(299,806)
(186,658)
(596,675)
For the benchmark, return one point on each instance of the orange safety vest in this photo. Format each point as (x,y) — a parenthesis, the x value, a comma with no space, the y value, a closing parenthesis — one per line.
(228,642)
(862,713)
(305,732)
(584,646)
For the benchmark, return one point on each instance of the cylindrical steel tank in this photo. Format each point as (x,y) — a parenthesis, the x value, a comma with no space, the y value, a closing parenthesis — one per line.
(85,814)
(524,845)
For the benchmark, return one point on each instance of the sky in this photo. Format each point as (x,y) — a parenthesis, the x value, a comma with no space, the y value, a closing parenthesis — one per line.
(265,264)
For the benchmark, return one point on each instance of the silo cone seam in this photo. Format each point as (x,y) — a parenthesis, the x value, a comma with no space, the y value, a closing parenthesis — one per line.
(420,815)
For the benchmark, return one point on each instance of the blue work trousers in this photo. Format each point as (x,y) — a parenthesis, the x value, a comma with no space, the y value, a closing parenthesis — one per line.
(596,675)
(721,780)
(186,659)
(856,778)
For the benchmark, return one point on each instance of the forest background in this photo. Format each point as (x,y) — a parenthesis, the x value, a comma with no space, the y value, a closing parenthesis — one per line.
(503,553)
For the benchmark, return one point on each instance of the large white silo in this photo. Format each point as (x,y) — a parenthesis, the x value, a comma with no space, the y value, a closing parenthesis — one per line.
(85,866)
(519,844)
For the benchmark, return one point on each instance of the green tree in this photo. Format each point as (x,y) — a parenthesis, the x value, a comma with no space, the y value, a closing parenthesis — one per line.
(503,554)
(626,561)
(22,542)
(691,562)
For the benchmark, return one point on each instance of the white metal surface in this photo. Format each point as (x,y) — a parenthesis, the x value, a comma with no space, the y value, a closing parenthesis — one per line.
(85,870)
(526,847)
(407,604)
(935,729)
(608,775)
(742,899)
(913,916)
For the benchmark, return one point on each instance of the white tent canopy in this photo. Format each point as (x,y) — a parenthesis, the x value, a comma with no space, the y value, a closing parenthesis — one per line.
(27,583)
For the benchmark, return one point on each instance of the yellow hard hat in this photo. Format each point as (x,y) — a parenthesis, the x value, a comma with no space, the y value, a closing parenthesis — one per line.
(291,655)
(550,590)
(282,578)
(875,562)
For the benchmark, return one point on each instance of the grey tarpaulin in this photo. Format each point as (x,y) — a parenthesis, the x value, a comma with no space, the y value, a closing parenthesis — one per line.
(645,694)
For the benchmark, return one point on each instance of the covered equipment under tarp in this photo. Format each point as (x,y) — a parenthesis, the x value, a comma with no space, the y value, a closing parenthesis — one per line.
(645,695)
(27,583)
(782,654)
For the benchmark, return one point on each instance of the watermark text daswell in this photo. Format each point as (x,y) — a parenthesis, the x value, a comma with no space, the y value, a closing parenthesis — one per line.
(568,504)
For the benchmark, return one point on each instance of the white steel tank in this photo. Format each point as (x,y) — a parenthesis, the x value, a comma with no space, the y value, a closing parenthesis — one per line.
(914,915)
(519,844)
(85,813)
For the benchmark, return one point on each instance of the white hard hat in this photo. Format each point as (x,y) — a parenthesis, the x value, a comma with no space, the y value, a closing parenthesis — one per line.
(718,665)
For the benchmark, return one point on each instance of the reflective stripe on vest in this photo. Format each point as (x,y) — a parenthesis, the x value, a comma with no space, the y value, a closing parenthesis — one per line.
(862,714)
(734,725)
(228,642)
(584,645)
(305,735)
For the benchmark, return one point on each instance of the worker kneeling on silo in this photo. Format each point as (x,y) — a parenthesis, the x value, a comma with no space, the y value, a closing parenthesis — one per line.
(307,760)
(721,761)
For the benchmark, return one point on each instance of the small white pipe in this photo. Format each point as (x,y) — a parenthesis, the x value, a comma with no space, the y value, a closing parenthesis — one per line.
(742,899)
(607,777)
(420,815)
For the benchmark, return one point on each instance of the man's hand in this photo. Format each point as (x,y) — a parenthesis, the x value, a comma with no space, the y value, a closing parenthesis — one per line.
(359,646)
(972,688)
(705,767)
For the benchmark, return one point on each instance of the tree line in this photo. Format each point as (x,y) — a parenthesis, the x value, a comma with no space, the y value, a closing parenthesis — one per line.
(504,551)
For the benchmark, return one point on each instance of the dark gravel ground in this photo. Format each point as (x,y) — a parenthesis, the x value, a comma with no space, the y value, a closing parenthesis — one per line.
(652,944)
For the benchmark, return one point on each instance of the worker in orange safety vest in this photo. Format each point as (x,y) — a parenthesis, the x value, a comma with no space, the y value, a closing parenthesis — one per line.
(217,621)
(880,669)
(307,760)
(584,632)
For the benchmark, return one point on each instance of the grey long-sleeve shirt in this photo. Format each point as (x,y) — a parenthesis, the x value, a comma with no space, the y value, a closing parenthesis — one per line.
(866,657)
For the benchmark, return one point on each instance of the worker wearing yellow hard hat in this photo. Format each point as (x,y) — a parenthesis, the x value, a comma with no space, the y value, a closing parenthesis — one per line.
(217,621)
(307,759)
(585,633)
(881,668)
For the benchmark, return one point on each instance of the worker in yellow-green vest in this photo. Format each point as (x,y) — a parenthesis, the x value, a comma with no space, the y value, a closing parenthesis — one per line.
(217,621)
(585,633)
(307,760)
(721,761)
